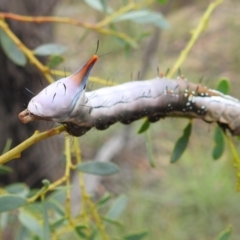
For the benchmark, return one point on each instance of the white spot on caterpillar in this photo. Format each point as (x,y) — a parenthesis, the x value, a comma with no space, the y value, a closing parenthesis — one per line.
(185,94)
(188,104)
(202,94)
(203,107)
(190,98)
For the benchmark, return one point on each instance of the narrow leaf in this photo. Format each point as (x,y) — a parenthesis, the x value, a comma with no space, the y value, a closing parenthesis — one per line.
(46,225)
(181,143)
(219,143)
(31,221)
(19,189)
(145,126)
(162,1)
(105,199)
(81,231)
(117,207)
(12,50)
(223,86)
(99,5)
(112,221)
(11,202)
(225,235)
(144,17)
(149,150)
(23,234)
(54,61)
(49,49)
(7,145)
(98,168)
(4,220)
(5,170)
(46,182)
(136,236)
(58,223)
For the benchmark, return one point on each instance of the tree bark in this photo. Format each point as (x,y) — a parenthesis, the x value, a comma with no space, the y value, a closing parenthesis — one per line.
(39,161)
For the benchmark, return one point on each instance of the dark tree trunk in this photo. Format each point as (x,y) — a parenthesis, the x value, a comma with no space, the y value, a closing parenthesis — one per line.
(43,159)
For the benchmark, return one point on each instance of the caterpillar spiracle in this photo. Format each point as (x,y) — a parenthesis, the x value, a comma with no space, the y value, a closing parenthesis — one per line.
(65,101)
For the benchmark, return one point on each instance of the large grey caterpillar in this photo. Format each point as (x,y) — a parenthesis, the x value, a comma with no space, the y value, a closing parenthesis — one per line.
(65,101)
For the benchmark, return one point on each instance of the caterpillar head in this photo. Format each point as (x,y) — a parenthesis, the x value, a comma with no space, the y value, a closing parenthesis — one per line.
(61,100)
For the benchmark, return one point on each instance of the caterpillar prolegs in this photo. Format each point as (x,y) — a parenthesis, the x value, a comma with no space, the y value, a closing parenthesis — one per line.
(65,101)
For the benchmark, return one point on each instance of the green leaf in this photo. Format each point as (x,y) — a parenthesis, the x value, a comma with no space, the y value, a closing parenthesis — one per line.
(162,1)
(31,221)
(54,61)
(219,143)
(7,145)
(11,202)
(46,183)
(112,221)
(93,235)
(56,202)
(144,17)
(12,50)
(19,189)
(181,143)
(5,170)
(4,220)
(58,223)
(99,5)
(81,231)
(117,207)
(145,126)
(56,206)
(46,226)
(23,234)
(98,168)
(106,197)
(225,235)
(149,150)
(223,86)
(136,236)
(49,49)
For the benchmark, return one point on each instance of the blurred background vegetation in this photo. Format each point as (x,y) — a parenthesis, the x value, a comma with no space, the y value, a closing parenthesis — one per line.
(196,197)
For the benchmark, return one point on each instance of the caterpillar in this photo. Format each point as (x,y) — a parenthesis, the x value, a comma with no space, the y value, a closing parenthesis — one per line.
(67,102)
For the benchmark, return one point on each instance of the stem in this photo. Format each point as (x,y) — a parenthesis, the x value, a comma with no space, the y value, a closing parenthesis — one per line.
(83,208)
(67,176)
(44,19)
(196,33)
(36,137)
(29,53)
(236,159)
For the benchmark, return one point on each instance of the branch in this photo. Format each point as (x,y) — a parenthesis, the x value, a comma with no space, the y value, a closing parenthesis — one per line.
(36,137)
(195,35)
(64,20)
(29,53)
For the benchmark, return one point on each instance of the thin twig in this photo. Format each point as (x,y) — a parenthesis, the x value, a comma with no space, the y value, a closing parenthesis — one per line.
(36,137)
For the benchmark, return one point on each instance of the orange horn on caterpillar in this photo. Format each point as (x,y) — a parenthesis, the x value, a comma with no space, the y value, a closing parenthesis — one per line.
(81,76)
